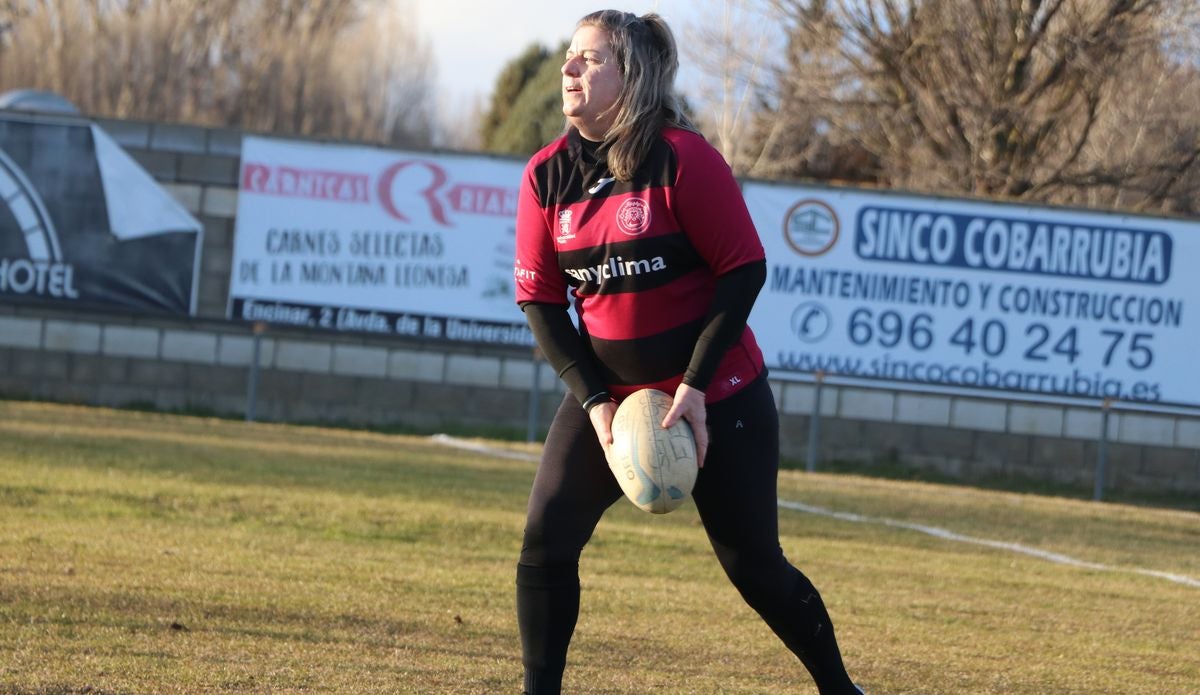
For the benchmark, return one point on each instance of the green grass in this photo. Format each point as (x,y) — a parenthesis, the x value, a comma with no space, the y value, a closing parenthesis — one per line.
(142,552)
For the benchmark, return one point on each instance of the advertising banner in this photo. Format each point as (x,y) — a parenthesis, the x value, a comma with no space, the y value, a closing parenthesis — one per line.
(353,238)
(981,298)
(81,223)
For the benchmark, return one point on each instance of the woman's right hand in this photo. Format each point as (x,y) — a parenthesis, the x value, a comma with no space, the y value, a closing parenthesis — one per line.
(602,417)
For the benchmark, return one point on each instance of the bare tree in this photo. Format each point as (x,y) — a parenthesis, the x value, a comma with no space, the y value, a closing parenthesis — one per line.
(1147,139)
(735,62)
(346,68)
(1009,98)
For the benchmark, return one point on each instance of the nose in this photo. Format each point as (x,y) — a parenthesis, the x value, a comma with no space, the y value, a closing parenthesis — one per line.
(570,67)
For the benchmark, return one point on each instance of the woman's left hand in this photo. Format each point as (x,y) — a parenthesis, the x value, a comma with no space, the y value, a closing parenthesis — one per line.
(689,405)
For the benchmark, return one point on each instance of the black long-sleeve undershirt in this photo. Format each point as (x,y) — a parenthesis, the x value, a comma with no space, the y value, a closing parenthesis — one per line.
(725,322)
(565,350)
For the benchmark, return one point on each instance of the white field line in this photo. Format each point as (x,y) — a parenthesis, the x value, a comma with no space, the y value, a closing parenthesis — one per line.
(482,448)
(937,532)
(948,535)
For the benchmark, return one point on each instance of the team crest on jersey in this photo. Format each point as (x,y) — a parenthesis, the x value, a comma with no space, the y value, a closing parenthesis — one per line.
(564,226)
(633,217)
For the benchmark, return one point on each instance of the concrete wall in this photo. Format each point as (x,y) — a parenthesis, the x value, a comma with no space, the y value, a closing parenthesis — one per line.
(204,366)
(975,438)
(204,363)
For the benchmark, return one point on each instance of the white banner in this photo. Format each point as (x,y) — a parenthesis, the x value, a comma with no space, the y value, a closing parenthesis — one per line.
(967,297)
(373,240)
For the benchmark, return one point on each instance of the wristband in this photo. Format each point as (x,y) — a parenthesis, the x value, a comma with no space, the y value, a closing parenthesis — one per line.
(596,400)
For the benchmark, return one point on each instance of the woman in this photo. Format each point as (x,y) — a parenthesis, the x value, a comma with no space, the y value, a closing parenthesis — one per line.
(634,213)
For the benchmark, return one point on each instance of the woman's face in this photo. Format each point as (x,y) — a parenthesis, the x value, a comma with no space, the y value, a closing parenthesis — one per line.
(591,83)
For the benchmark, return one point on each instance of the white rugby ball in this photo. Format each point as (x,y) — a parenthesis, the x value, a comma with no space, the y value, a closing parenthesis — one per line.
(655,467)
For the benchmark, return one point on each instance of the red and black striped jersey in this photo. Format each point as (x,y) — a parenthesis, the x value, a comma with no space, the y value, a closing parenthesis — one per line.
(639,257)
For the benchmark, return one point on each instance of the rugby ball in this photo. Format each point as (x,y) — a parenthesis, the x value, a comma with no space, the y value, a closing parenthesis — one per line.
(655,467)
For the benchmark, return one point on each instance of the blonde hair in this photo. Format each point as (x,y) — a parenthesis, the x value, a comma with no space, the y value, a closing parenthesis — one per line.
(648,60)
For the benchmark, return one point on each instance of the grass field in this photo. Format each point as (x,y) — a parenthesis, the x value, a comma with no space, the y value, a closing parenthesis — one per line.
(146,553)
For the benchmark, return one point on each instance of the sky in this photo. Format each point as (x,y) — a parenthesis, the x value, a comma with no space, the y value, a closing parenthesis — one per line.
(472,40)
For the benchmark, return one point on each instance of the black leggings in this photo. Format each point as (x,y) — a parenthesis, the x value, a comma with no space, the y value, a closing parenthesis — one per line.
(735,494)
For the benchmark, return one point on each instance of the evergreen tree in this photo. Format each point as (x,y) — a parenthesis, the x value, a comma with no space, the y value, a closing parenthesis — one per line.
(526,110)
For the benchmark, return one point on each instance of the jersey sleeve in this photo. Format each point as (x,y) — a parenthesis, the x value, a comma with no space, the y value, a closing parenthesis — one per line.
(535,269)
(710,208)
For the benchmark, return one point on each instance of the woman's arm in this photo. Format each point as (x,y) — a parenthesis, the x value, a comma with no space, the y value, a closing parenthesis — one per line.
(565,351)
(726,321)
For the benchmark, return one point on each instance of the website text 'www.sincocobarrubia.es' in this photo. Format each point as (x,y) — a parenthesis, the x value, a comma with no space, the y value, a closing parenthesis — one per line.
(1075,383)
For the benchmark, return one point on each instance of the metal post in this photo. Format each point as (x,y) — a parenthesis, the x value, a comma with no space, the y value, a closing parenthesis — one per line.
(814,423)
(260,327)
(1102,451)
(535,398)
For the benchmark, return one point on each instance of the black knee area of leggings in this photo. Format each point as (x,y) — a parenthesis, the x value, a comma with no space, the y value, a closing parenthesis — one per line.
(792,607)
(547,576)
(787,601)
(761,578)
